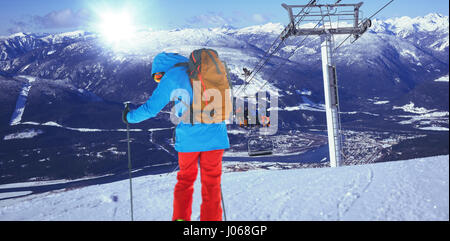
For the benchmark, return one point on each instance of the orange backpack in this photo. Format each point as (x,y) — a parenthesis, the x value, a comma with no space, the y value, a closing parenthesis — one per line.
(211,87)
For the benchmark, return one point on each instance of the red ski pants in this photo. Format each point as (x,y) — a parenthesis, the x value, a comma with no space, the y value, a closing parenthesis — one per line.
(210,172)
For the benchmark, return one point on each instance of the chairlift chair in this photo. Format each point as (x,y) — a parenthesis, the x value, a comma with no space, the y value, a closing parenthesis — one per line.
(259,145)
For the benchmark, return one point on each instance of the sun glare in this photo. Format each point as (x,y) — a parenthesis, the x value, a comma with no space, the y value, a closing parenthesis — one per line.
(117,28)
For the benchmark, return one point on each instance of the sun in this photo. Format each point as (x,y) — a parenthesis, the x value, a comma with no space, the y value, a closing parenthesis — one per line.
(116,27)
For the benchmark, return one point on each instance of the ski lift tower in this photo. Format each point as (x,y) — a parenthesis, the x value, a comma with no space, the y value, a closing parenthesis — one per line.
(327,18)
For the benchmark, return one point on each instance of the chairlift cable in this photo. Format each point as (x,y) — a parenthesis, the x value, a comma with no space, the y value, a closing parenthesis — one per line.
(279,37)
(373,15)
(387,4)
(268,55)
(289,56)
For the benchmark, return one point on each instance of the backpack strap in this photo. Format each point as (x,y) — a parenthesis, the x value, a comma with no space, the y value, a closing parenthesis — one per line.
(213,60)
(185,64)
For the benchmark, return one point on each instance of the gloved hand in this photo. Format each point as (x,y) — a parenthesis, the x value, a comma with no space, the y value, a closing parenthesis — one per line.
(124,114)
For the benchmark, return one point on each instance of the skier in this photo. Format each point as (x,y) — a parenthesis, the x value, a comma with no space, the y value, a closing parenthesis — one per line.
(247,72)
(199,142)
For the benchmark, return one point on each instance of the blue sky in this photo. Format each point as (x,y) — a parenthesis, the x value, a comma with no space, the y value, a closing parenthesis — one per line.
(65,15)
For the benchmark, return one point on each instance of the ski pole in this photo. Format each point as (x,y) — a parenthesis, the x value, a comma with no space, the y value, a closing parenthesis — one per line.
(223,204)
(129,164)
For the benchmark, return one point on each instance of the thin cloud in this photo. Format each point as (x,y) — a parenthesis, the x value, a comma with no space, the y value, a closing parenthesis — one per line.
(18,26)
(61,19)
(260,18)
(66,18)
(211,19)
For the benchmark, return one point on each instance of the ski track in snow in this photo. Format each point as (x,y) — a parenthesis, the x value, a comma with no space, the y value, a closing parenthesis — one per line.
(404,190)
(354,193)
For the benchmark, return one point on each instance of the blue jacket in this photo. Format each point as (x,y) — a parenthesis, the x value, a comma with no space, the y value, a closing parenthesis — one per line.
(176,85)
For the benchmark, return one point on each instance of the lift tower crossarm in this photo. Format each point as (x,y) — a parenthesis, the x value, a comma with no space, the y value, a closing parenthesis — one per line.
(358,5)
(357,30)
(316,31)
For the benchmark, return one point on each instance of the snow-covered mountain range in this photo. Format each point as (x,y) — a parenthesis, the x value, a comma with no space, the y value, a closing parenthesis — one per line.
(394,79)
(404,52)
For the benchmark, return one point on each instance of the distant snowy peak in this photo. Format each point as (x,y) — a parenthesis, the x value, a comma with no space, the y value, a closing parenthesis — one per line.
(400,26)
(271,28)
(46,37)
(19,34)
(61,37)
(429,32)
(405,26)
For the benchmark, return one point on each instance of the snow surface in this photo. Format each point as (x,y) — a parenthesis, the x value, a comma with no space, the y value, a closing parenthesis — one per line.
(412,109)
(26,134)
(442,79)
(381,102)
(423,118)
(16,117)
(404,190)
(434,128)
(54,124)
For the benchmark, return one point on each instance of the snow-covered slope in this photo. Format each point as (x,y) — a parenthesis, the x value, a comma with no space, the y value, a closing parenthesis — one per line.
(405,190)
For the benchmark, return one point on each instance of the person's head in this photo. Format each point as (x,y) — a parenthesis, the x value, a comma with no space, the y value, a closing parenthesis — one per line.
(163,62)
